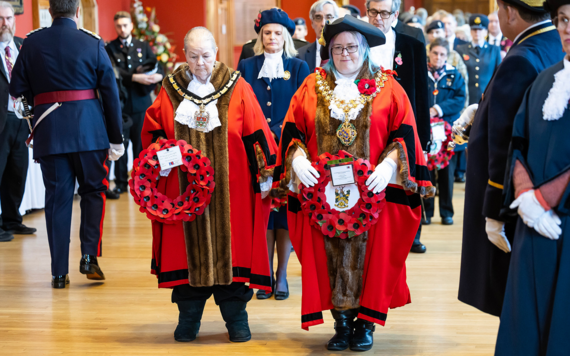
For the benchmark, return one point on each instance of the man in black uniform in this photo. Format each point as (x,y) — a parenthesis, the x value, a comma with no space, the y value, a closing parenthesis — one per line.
(140,71)
(13,134)
(63,70)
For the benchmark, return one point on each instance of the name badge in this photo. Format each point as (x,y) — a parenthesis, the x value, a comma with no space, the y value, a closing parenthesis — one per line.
(169,158)
(342,175)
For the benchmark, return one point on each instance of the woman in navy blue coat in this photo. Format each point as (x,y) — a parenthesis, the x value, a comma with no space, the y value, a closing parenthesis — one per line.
(446,99)
(275,75)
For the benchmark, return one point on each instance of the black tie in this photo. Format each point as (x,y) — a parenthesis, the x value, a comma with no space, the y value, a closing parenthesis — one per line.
(477,50)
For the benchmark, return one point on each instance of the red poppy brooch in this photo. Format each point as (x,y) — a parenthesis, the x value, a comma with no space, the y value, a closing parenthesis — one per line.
(348,223)
(321,71)
(366,86)
(157,206)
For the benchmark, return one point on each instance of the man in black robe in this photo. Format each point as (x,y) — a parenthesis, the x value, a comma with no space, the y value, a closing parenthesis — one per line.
(484,267)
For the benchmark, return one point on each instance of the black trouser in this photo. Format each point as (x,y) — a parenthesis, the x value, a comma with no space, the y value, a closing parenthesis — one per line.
(13,169)
(133,134)
(237,291)
(59,173)
(461,162)
(445,179)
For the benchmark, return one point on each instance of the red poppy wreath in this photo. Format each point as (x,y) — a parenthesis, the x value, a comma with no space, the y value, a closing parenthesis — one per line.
(348,223)
(441,159)
(157,206)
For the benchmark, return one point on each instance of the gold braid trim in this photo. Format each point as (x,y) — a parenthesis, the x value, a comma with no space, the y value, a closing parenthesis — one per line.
(424,192)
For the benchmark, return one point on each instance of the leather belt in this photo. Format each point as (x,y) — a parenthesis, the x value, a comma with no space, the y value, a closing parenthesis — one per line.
(63,96)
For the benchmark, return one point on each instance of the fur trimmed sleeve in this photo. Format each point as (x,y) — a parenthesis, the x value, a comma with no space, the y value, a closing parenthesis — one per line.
(412,171)
(292,138)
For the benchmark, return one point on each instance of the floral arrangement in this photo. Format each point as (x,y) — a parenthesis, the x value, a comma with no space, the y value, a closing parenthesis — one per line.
(441,159)
(348,223)
(157,206)
(146,29)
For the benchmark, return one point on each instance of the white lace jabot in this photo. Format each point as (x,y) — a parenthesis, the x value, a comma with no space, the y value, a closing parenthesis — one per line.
(187,109)
(272,66)
(559,95)
(345,90)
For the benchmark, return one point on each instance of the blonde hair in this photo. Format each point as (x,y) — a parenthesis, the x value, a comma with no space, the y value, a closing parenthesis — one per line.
(288,45)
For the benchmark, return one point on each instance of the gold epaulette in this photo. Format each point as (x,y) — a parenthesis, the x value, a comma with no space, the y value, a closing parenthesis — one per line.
(91,33)
(34,31)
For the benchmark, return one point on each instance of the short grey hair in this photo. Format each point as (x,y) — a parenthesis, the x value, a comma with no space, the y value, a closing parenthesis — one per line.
(288,44)
(7,5)
(201,33)
(63,8)
(318,6)
(395,4)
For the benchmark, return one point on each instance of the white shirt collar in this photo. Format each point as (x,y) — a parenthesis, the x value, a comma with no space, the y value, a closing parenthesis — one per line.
(383,56)
(127,40)
(528,28)
(394,23)
(499,36)
(451,40)
(10,44)
(480,44)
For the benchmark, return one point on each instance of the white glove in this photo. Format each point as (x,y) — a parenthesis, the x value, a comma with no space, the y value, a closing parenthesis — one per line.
(529,208)
(116,151)
(548,225)
(496,234)
(379,179)
(305,171)
(467,117)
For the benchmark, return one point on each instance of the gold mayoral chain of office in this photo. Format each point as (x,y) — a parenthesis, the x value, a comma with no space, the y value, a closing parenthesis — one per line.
(202,117)
(346,132)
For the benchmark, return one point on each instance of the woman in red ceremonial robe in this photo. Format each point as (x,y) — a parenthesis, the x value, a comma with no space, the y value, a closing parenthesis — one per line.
(359,277)
(212,108)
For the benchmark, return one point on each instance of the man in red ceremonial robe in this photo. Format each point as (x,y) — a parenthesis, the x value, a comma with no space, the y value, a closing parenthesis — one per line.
(356,277)
(212,108)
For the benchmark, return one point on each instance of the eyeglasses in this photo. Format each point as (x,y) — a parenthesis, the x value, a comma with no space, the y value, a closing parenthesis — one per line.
(383,14)
(561,22)
(319,18)
(340,50)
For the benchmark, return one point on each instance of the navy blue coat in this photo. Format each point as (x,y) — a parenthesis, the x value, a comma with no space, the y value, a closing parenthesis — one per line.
(480,67)
(60,58)
(484,267)
(274,96)
(450,97)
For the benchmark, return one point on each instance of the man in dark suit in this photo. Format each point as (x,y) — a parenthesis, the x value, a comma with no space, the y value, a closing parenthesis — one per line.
(63,70)
(321,12)
(480,57)
(496,37)
(407,56)
(416,33)
(450,26)
(140,72)
(486,237)
(13,134)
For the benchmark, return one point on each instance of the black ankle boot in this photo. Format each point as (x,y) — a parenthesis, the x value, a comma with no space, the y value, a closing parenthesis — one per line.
(363,337)
(343,327)
(235,316)
(189,319)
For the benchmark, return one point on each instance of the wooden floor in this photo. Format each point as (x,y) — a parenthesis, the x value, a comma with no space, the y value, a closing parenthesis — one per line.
(128,315)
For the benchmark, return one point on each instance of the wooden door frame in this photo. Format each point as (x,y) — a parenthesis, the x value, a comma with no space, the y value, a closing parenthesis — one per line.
(90,15)
(212,24)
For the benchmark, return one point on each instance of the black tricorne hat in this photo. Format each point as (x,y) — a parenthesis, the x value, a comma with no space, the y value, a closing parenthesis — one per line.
(552,6)
(373,35)
(532,5)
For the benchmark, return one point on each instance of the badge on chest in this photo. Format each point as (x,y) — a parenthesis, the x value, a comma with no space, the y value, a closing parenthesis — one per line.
(201,118)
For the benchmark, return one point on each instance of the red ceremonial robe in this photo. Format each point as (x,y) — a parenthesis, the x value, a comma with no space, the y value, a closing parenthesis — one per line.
(329,277)
(251,153)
